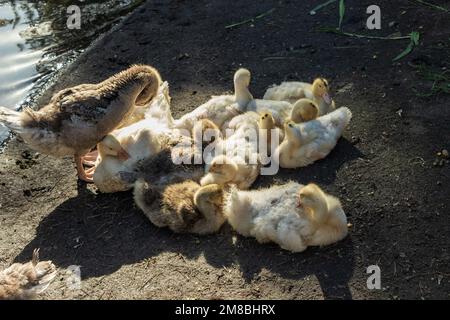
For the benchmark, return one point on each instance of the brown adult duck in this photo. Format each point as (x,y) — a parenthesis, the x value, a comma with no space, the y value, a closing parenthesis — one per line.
(77,118)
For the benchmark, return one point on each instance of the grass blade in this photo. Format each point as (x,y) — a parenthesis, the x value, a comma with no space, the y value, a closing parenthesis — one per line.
(262,15)
(431,5)
(341,12)
(321,6)
(414,41)
(405,52)
(360,36)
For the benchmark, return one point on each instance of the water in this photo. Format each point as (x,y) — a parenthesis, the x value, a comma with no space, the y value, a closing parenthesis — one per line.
(35,42)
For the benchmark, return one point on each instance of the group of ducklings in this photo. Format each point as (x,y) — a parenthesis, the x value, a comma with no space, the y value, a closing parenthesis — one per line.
(128,119)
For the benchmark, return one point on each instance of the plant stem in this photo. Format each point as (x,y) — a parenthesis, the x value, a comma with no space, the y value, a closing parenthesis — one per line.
(262,15)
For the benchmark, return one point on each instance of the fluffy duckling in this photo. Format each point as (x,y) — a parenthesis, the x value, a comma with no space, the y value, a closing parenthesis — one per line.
(77,118)
(266,127)
(235,159)
(310,141)
(225,171)
(205,134)
(291,215)
(114,158)
(304,110)
(183,207)
(291,91)
(219,109)
(205,131)
(25,281)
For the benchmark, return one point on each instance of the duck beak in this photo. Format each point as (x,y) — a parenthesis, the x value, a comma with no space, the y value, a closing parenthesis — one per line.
(123,155)
(299,203)
(326,97)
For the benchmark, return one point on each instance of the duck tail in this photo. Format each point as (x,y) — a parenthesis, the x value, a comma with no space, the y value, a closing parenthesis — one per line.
(338,119)
(11,119)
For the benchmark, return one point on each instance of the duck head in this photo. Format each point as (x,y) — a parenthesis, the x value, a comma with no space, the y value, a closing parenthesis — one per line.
(311,197)
(223,166)
(241,82)
(110,146)
(206,131)
(212,193)
(321,90)
(266,121)
(139,83)
(304,110)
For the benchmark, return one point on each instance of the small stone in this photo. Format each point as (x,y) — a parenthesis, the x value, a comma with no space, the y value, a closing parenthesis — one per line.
(392,24)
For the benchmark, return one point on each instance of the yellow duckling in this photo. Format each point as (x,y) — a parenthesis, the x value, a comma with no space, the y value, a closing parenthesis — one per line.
(291,91)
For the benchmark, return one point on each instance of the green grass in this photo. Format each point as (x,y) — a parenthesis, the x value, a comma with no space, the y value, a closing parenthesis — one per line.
(358,35)
(431,5)
(321,6)
(250,20)
(440,80)
(341,12)
(414,42)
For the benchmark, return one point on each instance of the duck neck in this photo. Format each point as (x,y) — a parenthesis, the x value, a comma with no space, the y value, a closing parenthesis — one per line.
(138,87)
(292,141)
(242,94)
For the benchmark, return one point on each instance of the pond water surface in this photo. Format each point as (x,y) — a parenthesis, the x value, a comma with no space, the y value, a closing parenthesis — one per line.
(35,42)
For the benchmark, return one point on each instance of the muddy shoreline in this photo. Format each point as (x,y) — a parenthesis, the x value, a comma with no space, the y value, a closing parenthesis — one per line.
(382,168)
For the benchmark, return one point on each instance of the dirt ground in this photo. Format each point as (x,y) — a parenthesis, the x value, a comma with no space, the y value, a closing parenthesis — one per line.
(382,169)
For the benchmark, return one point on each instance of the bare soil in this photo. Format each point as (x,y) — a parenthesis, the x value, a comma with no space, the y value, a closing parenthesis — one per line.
(382,168)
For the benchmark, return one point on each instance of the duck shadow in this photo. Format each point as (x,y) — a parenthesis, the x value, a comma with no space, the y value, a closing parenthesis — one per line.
(322,172)
(333,265)
(103,232)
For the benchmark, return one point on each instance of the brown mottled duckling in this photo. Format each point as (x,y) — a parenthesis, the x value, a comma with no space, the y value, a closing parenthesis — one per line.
(24,281)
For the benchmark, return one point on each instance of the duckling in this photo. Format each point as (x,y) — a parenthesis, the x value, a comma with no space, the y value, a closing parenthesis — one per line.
(205,131)
(117,156)
(183,207)
(226,171)
(291,215)
(219,109)
(267,127)
(76,119)
(292,91)
(304,110)
(239,150)
(307,142)
(25,281)
(205,134)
